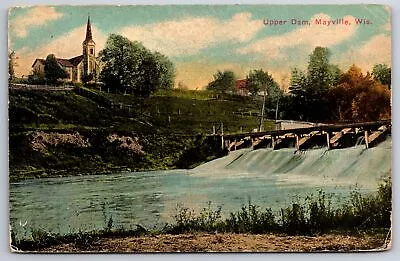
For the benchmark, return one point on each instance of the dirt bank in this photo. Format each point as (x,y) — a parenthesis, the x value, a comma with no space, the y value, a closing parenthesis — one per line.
(228,243)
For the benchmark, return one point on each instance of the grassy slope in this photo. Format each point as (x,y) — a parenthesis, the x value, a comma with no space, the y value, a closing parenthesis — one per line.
(185,112)
(195,111)
(167,125)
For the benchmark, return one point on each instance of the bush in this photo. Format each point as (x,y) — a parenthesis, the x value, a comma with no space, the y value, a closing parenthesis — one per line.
(314,216)
(369,213)
(250,219)
(186,220)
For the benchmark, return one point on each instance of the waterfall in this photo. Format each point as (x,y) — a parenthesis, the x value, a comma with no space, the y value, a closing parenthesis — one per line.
(350,166)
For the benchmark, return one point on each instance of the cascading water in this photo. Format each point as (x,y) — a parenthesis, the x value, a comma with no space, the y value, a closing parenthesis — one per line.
(269,178)
(350,166)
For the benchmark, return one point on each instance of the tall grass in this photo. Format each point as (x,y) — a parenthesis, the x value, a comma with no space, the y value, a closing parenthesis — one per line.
(315,215)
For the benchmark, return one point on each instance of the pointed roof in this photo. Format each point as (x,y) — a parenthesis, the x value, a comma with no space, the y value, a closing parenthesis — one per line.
(89,37)
(38,60)
(76,60)
(64,62)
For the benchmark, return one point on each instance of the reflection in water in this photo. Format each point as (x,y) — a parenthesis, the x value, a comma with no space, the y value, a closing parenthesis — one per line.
(267,178)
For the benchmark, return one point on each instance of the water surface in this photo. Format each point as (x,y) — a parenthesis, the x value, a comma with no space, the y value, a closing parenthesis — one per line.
(265,177)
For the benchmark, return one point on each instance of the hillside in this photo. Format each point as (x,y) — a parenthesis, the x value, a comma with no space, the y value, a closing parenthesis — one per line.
(70,132)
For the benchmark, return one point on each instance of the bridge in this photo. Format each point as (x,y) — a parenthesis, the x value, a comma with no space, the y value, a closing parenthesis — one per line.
(332,136)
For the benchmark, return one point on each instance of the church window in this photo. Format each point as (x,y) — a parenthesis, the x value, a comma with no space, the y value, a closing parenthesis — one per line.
(91,51)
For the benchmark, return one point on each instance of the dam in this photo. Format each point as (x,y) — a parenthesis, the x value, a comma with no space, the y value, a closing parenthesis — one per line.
(266,177)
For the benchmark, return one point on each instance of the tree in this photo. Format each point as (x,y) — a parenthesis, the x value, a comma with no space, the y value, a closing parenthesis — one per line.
(298,91)
(52,70)
(223,82)
(258,80)
(310,88)
(359,97)
(130,66)
(158,73)
(37,77)
(383,74)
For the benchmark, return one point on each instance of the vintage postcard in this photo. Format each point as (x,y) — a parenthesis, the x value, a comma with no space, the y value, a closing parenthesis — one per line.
(200,128)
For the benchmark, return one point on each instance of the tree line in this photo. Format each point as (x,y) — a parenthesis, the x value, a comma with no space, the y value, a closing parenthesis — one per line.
(320,93)
(324,93)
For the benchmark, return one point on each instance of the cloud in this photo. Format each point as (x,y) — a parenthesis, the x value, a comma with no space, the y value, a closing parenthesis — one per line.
(307,37)
(190,35)
(378,49)
(65,46)
(36,16)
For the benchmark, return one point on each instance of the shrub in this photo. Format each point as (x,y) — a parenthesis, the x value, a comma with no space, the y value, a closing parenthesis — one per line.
(250,219)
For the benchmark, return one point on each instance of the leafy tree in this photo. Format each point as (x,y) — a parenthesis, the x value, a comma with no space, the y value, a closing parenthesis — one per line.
(130,66)
(52,70)
(359,97)
(310,88)
(158,73)
(298,90)
(258,80)
(383,74)
(223,82)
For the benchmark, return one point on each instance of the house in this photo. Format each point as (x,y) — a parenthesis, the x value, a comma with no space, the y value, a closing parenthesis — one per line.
(78,67)
(241,88)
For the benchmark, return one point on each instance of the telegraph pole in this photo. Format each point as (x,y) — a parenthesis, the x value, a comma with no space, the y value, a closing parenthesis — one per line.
(261,127)
(276,110)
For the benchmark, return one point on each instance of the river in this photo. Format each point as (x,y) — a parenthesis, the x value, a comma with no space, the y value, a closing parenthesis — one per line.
(265,177)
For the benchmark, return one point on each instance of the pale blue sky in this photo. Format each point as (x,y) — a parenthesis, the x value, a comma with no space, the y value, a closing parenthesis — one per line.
(203,39)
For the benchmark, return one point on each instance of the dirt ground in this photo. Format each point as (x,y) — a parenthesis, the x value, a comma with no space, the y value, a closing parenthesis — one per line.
(228,243)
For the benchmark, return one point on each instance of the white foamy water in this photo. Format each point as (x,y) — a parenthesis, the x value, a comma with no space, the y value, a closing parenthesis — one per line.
(266,177)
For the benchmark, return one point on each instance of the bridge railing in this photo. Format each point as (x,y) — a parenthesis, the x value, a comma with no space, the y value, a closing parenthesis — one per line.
(321,127)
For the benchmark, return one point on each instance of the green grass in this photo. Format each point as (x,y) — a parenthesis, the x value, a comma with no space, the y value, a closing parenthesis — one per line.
(185,111)
(167,124)
(314,216)
(177,111)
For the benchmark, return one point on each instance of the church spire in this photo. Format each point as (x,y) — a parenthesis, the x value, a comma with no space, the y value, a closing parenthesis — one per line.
(88,31)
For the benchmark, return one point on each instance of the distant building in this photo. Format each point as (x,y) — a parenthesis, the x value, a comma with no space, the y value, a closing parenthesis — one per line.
(78,67)
(241,88)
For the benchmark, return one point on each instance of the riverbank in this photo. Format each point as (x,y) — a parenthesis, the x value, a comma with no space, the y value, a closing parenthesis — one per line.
(64,133)
(228,242)
(79,152)
(361,223)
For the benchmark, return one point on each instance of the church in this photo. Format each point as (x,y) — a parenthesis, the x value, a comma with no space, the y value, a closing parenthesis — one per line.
(78,67)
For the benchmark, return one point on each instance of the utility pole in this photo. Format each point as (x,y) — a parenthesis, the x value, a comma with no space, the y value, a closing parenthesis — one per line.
(276,110)
(261,127)
(222,135)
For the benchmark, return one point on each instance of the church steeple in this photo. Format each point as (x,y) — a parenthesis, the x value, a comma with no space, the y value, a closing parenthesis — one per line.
(88,31)
(88,44)
(89,53)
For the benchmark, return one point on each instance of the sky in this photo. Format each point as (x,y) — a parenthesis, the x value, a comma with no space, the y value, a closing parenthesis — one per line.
(201,40)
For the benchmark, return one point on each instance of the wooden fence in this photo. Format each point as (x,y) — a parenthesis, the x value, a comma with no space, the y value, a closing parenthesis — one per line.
(20,86)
